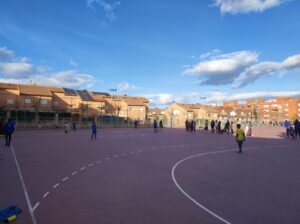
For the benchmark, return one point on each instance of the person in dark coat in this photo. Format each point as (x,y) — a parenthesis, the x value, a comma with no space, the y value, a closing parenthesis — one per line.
(161,124)
(226,128)
(94,130)
(297,128)
(212,126)
(8,129)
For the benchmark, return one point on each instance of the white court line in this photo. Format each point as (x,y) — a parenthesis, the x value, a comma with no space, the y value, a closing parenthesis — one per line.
(55,186)
(36,206)
(107,158)
(74,173)
(98,162)
(187,195)
(116,156)
(31,211)
(66,178)
(203,154)
(46,194)
(83,168)
(91,164)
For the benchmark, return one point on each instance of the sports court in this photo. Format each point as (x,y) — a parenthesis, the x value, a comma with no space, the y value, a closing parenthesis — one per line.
(136,176)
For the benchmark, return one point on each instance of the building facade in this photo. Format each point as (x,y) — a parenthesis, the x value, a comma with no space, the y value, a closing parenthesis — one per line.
(41,103)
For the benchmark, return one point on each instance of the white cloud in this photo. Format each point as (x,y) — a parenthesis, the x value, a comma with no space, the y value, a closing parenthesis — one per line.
(108,8)
(292,62)
(223,68)
(16,69)
(188,98)
(256,71)
(165,99)
(6,53)
(68,79)
(245,6)
(219,97)
(20,71)
(159,99)
(238,68)
(264,68)
(125,86)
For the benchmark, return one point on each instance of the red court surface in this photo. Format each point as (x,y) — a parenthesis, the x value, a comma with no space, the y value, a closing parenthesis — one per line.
(140,177)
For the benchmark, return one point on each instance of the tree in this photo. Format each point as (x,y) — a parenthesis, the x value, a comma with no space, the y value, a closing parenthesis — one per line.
(255,114)
(118,106)
(36,102)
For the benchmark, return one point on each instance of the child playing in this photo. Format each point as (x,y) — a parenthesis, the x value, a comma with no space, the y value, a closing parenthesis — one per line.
(240,137)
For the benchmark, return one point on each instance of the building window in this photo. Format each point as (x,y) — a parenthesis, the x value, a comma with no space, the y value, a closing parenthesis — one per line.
(265,106)
(44,102)
(176,112)
(131,109)
(56,103)
(27,101)
(10,101)
(141,109)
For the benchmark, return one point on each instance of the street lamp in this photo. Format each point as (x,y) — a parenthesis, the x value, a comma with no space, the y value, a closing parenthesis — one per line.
(111,95)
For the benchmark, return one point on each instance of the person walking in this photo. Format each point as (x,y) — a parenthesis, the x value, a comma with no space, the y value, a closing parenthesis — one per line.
(94,130)
(8,130)
(240,137)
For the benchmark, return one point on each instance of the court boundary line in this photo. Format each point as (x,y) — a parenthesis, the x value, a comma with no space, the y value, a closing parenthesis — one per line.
(203,154)
(31,211)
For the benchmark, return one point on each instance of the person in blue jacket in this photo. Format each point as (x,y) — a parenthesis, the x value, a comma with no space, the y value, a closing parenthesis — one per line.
(94,130)
(8,129)
(287,125)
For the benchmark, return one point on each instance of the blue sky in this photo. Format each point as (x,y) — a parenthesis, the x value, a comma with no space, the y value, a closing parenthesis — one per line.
(164,50)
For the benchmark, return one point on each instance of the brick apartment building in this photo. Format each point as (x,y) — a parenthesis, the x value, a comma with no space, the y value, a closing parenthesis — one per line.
(276,110)
(39,103)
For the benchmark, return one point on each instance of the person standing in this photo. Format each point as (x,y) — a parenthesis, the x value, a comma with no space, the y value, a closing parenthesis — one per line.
(161,124)
(297,128)
(8,129)
(206,125)
(240,137)
(231,127)
(135,123)
(226,128)
(155,125)
(286,125)
(212,126)
(94,130)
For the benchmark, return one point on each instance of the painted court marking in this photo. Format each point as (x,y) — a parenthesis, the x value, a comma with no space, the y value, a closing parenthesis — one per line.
(204,154)
(46,194)
(31,210)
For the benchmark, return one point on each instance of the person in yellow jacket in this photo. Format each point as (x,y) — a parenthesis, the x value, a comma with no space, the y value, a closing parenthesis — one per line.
(240,137)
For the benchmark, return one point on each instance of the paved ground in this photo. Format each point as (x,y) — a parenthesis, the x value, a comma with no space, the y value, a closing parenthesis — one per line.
(137,176)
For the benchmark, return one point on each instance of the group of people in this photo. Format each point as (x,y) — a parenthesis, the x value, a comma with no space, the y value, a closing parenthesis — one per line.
(292,128)
(155,125)
(217,127)
(190,125)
